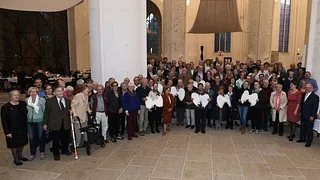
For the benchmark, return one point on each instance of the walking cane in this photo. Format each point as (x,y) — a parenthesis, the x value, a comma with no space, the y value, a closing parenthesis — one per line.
(74,139)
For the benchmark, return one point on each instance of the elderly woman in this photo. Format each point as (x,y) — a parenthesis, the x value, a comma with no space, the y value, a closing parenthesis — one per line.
(278,102)
(80,108)
(35,107)
(14,124)
(49,91)
(70,91)
(131,106)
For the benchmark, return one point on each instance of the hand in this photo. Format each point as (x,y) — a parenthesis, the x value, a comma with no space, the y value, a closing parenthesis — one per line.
(45,127)
(318,115)
(295,113)
(149,110)
(257,100)
(239,100)
(127,113)
(170,109)
(209,99)
(311,118)
(9,135)
(139,112)
(144,99)
(120,110)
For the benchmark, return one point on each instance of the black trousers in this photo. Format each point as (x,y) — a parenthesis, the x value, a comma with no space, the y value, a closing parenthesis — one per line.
(266,117)
(306,130)
(257,117)
(122,122)
(114,124)
(180,115)
(210,115)
(154,117)
(229,116)
(60,139)
(200,114)
(278,126)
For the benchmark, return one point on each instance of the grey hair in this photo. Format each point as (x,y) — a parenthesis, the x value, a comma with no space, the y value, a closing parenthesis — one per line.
(11,93)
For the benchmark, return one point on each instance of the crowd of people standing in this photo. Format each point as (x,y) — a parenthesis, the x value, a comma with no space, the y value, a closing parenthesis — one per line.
(281,96)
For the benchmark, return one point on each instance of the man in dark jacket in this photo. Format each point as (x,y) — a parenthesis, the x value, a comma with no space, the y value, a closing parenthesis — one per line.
(142,93)
(309,109)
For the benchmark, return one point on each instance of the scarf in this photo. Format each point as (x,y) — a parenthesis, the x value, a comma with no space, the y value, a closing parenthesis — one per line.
(277,100)
(35,104)
(256,90)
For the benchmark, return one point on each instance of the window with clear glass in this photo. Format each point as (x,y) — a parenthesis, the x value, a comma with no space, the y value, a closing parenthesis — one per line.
(152,34)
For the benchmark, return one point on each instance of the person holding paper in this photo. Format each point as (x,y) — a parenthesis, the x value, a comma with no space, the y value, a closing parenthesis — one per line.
(243,105)
(257,109)
(200,111)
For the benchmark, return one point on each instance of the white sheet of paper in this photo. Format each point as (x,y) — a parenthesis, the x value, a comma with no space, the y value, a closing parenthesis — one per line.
(245,96)
(221,101)
(204,100)
(159,101)
(181,93)
(174,91)
(195,99)
(253,99)
(228,100)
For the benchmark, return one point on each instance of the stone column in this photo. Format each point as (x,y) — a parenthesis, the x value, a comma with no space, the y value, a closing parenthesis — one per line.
(117,39)
(313,63)
(174,27)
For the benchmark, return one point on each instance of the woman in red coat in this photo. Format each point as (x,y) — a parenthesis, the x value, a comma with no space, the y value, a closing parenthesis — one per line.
(168,104)
(293,112)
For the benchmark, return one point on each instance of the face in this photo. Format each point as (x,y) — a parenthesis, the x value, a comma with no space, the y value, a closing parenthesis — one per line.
(69,93)
(100,90)
(279,88)
(151,82)
(217,78)
(86,91)
(256,85)
(303,83)
(38,83)
(190,87)
(293,86)
(48,90)
(309,88)
(190,81)
(124,86)
(307,75)
(59,92)
(131,88)
(180,83)
(168,90)
(208,86)
(198,78)
(15,96)
(115,86)
(232,80)
(155,87)
(33,93)
(230,89)
(127,80)
(265,83)
(245,85)
(140,77)
(62,83)
(135,81)
(200,87)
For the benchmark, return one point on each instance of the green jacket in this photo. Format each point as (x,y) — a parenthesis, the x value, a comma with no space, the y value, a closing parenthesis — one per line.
(34,117)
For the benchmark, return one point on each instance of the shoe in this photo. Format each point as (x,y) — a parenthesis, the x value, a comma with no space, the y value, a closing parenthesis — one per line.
(301,141)
(227,127)
(113,140)
(42,156)
(152,131)
(68,153)
(288,136)
(197,130)
(192,127)
(231,128)
(243,130)
(274,132)
(203,131)
(106,141)
(122,133)
(265,130)
(280,134)
(31,158)
(291,138)
(56,158)
(141,134)
(146,132)
(257,132)
(164,133)
(119,138)
(308,145)
(187,126)
(23,158)
(178,124)
(251,131)
(209,125)
(157,130)
(129,138)
(18,163)
(135,136)
(181,124)
(236,123)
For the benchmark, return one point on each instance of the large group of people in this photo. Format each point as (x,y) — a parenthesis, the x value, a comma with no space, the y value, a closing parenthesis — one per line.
(199,95)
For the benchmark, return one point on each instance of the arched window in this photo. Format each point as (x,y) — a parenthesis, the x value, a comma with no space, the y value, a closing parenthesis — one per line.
(152,34)
(284,25)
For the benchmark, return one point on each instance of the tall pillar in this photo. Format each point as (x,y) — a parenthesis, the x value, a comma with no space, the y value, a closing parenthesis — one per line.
(174,27)
(118,39)
(313,63)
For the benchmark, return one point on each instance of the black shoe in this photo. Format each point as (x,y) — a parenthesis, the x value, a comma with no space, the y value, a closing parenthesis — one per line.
(197,130)
(23,158)
(113,140)
(274,132)
(265,129)
(157,130)
(178,124)
(227,127)
(106,141)
(301,141)
(56,158)
(236,123)
(67,153)
(18,163)
(152,131)
(203,131)
(187,126)
(119,138)
(280,134)
(231,128)
(209,125)
(192,127)
(291,138)
(122,133)
(308,144)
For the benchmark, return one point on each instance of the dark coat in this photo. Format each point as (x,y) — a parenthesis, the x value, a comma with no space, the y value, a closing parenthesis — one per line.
(95,103)
(14,122)
(53,115)
(309,108)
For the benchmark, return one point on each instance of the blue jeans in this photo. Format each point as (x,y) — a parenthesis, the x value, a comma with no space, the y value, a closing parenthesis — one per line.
(35,137)
(243,111)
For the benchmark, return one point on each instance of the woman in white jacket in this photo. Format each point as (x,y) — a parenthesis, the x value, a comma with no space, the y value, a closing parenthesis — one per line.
(278,102)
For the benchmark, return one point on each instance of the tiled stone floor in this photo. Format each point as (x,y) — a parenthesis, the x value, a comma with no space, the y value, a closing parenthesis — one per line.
(216,155)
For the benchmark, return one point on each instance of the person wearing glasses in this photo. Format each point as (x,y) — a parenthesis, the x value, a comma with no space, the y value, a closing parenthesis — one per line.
(49,91)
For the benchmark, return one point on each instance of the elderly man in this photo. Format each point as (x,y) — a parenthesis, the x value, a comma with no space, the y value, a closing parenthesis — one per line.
(313,82)
(99,110)
(309,109)
(185,76)
(201,73)
(150,71)
(142,93)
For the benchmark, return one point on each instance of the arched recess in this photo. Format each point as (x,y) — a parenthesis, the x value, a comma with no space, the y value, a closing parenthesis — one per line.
(153,10)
